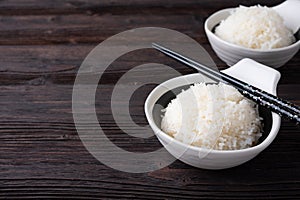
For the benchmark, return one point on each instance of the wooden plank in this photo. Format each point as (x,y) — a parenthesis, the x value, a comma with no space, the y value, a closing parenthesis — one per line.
(49,29)
(58,64)
(36,7)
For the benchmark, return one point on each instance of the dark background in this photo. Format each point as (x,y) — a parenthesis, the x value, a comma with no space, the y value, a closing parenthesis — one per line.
(42,44)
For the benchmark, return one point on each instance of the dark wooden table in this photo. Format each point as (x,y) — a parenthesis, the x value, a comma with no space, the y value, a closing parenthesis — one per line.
(42,46)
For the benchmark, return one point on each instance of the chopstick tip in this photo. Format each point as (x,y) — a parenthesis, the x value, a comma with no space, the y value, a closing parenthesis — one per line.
(155,45)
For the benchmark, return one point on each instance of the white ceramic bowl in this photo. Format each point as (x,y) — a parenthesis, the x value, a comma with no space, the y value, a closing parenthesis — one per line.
(231,53)
(246,70)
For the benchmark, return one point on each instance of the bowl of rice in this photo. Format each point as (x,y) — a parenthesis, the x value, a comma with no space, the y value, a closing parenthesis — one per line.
(211,125)
(258,32)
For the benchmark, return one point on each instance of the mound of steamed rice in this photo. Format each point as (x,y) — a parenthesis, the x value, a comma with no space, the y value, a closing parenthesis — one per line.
(213,116)
(255,27)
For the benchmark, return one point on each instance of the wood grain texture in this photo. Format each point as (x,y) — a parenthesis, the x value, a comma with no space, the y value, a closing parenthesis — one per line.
(42,45)
(57,7)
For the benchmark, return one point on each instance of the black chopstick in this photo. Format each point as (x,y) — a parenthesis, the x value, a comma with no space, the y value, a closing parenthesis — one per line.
(219,76)
(263,98)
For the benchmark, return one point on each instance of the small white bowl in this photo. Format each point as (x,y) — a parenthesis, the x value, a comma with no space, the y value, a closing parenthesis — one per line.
(246,70)
(232,53)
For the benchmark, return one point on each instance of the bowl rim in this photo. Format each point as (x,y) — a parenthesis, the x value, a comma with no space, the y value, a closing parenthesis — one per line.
(238,47)
(276,121)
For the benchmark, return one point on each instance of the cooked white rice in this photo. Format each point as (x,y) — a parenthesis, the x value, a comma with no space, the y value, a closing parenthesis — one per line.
(212,116)
(255,27)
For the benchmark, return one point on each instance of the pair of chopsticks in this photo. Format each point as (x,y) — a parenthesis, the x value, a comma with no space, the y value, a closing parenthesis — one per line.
(263,98)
